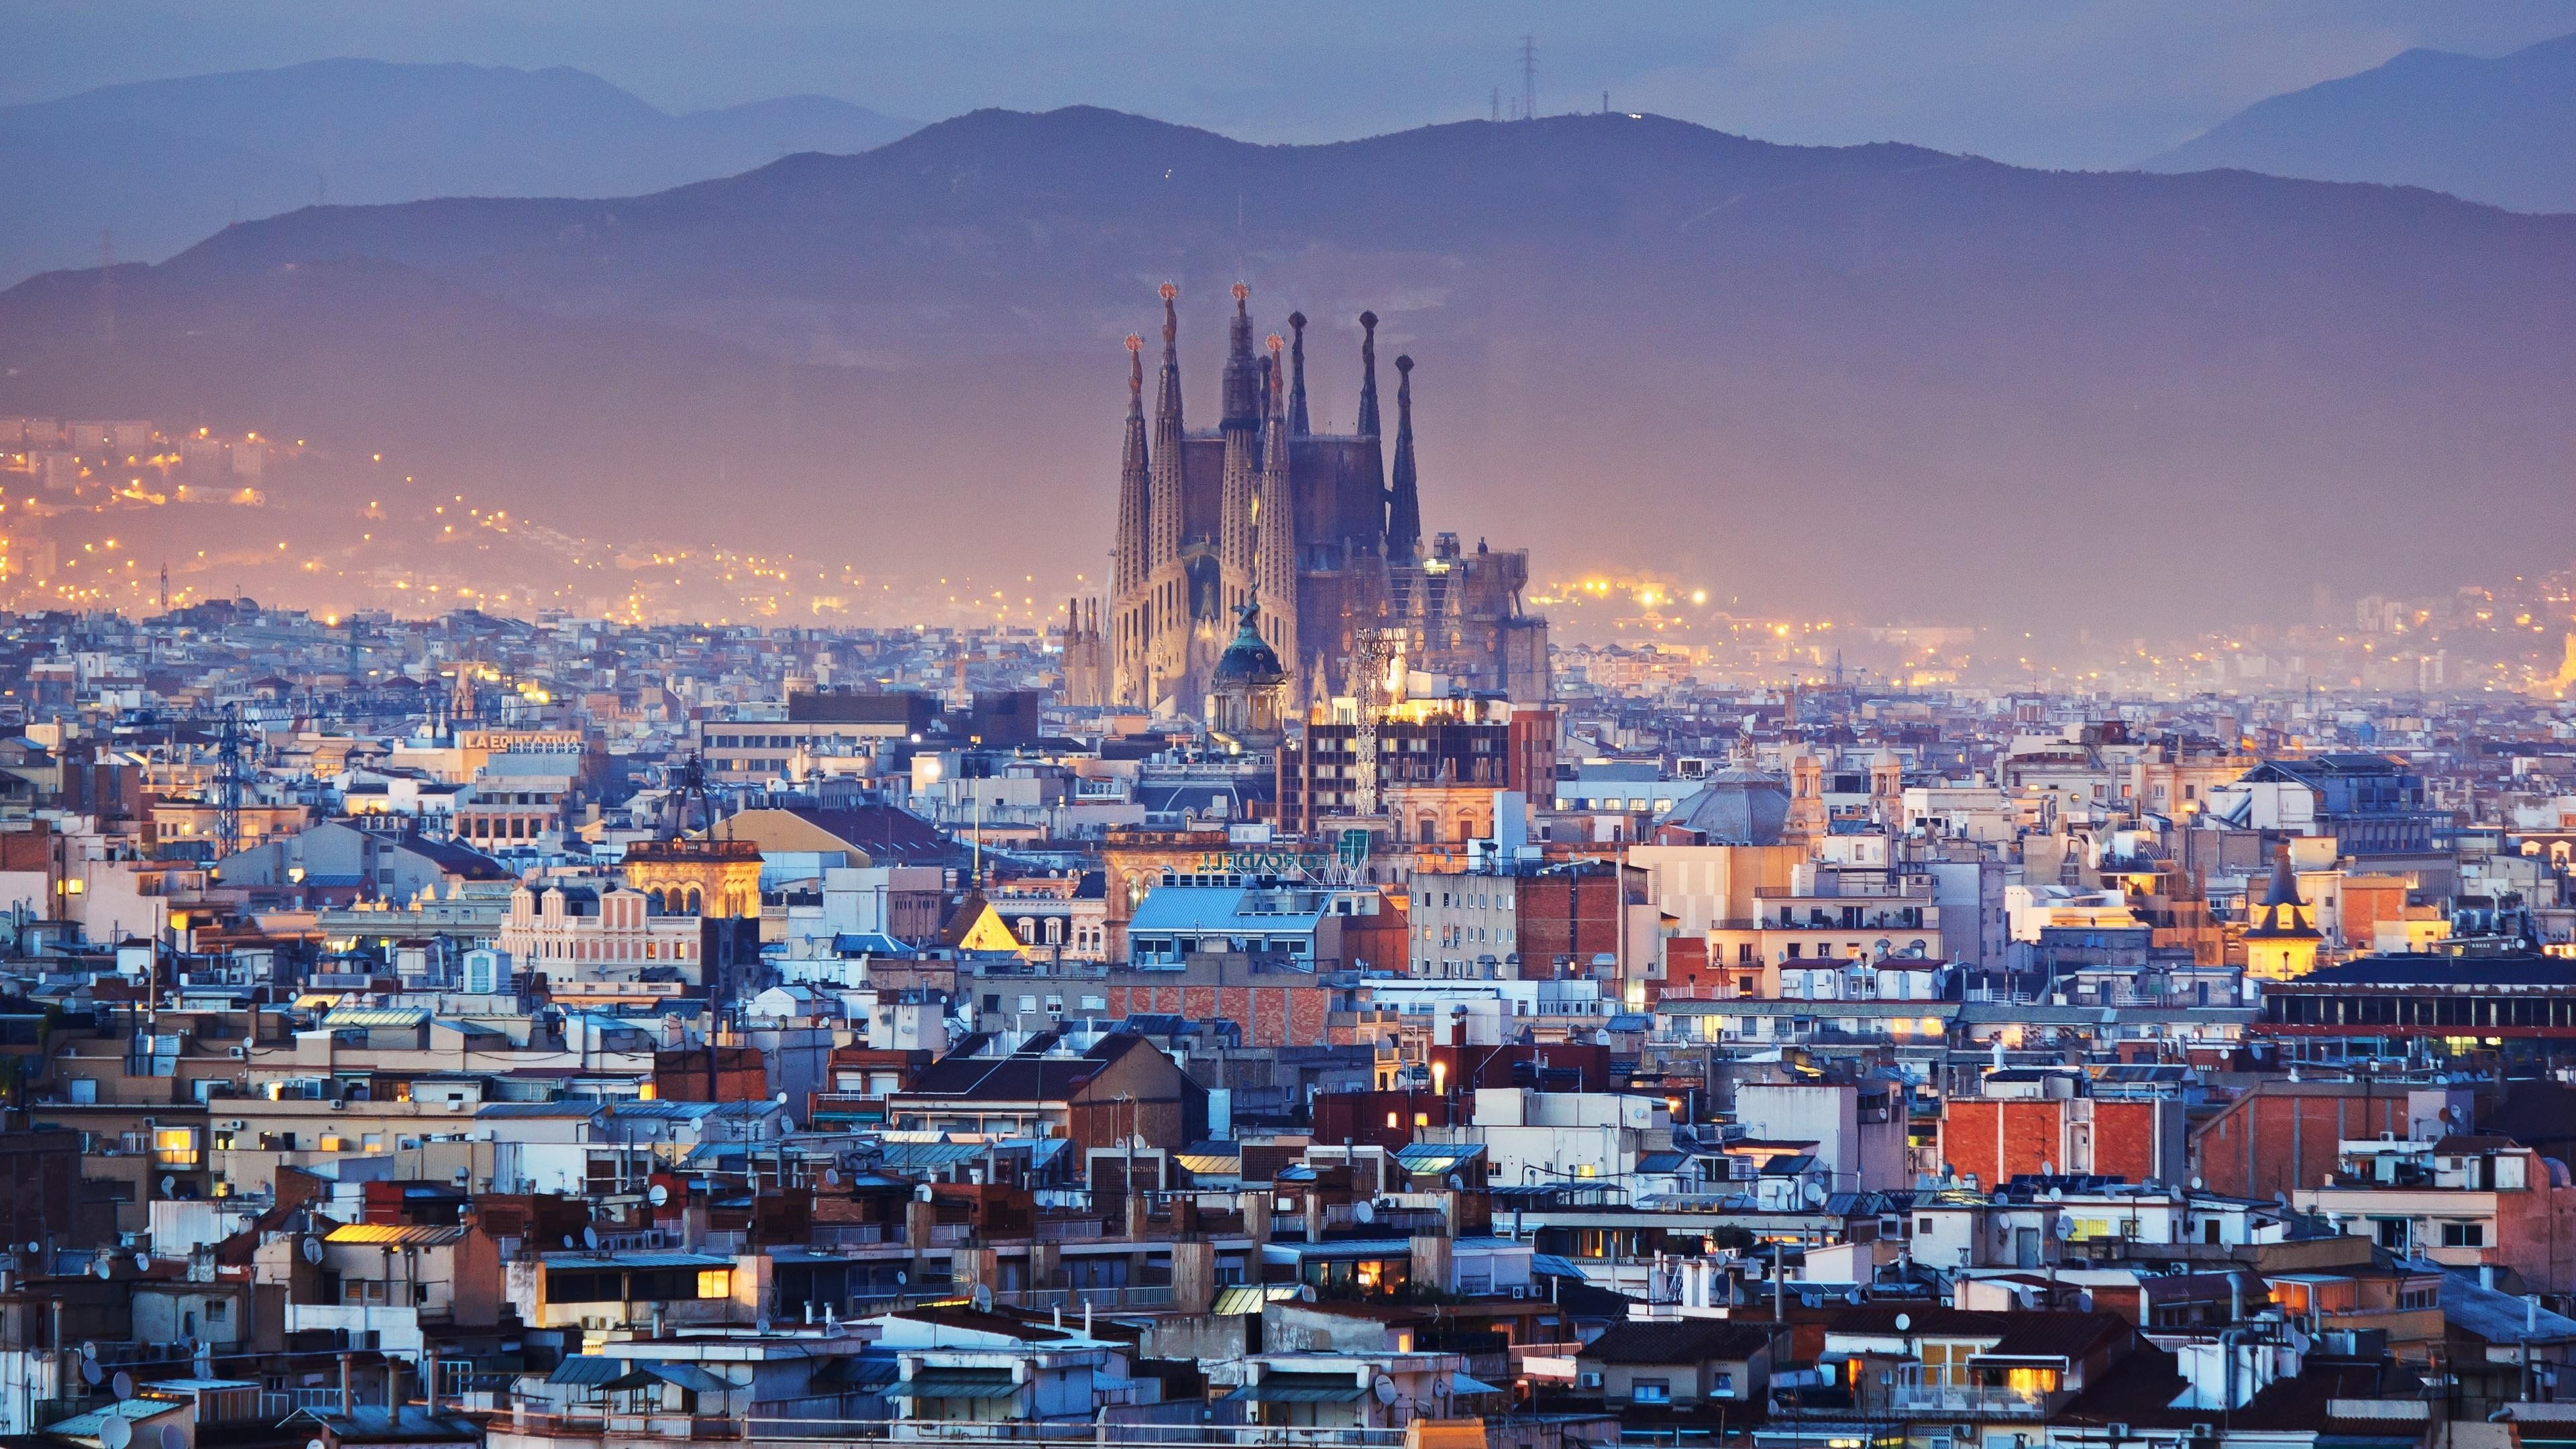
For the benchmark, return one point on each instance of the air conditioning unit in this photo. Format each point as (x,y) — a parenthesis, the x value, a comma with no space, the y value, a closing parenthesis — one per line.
(234,1125)
(241,1053)
(1520,1290)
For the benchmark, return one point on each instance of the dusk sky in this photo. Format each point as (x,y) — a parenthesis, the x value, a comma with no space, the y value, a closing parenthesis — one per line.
(2033,82)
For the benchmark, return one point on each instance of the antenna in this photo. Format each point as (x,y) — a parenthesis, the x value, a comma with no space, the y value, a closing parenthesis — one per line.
(1529,77)
(107,287)
(1498,104)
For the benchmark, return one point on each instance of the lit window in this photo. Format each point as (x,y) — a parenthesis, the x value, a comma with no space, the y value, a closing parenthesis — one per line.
(715,1282)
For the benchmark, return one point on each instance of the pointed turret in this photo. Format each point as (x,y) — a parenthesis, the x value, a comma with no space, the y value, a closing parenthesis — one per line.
(1274,572)
(1164,467)
(1133,508)
(1368,375)
(1242,386)
(2284,913)
(1242,480)
(1297,399)
(1403,495)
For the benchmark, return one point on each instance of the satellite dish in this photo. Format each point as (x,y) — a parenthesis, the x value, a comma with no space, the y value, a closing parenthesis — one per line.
(831,1177)
(143,1262)
(1456,1183)
(1305,1292)
(1814,1194)
(171,1438)
(983,1297)
(116,1433)
(315,1444)
(657,1194)
(1384,1388)
(105,1268)
(1364,1212)
(782,1099)
(2065,1225)
(2195,1184)
(922,1193)
(567,1240)
(91,1373)
(1905,1323)
(169,1185)
(89,1350)
(313,1250)
(590,1238)
(2084,1300)
(122,1385)
(900,1278)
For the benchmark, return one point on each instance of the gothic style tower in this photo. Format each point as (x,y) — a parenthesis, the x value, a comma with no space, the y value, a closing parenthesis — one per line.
(1403,498)
(1167,584)
(1368,375)
(1275,532)
(1297,398)
(1241,429)
(1128,619)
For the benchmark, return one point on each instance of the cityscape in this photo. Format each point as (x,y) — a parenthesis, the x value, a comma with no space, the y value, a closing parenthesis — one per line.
(638,803)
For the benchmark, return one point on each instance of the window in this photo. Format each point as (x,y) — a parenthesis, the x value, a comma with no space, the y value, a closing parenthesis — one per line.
(715,1282)
(1651,1391)
(217,1310)
(2464,1235)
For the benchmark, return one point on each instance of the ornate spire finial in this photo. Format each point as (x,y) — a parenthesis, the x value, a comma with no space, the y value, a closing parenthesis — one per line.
(1274,342)
(1242,294)
(1297,375)
(1135,368)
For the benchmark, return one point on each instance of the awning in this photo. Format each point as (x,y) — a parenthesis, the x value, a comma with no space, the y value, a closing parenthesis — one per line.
(587,1371)
(1549,1265)
(1303,1389)
(1461,1384)
(956,1384)
(1237,1299)
(1430,1159)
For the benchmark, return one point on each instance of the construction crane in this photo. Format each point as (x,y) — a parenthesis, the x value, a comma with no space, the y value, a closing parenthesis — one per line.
(230,776)
(1377,685)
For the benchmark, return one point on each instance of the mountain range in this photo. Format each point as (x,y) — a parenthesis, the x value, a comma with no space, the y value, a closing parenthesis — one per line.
(1872,379)
(160,164)
(2501,131)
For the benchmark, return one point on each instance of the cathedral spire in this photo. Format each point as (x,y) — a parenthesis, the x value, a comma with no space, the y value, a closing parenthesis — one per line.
(1242,387)
(1133,507)
(1368,375)
(1297,375)
(1403,499)
(1165,483)
(1274,573)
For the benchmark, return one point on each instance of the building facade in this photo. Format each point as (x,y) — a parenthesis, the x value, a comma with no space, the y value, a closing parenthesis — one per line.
(1311,524)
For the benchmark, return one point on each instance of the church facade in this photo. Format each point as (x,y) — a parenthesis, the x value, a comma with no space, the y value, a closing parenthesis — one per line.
(1310,527)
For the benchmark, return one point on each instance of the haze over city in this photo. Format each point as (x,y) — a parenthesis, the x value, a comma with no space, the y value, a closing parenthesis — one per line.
(1836,724)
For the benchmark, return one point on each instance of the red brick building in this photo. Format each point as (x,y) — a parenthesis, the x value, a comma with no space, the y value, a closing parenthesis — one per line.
(1995,1138)
(2282,1136)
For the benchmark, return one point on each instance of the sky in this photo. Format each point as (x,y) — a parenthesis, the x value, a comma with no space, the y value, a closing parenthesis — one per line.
(2077,84)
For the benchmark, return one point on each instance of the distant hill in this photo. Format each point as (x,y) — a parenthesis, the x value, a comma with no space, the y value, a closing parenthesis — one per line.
(1873,378)
(2500,131)
(161,164)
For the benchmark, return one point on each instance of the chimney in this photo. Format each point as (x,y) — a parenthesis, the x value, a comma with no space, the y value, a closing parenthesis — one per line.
(348,1405)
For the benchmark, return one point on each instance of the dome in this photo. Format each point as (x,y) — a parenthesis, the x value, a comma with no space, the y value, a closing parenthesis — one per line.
(1249,659)
(1735,807)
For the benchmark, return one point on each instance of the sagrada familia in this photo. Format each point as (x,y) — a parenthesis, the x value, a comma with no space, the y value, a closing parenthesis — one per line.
(1304,539)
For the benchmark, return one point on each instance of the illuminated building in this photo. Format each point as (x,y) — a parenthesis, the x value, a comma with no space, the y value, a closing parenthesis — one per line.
(1311,523)
(2282,943)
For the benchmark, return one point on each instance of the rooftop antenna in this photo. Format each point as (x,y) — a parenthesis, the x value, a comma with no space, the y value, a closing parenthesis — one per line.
(107,287)
(1529,77)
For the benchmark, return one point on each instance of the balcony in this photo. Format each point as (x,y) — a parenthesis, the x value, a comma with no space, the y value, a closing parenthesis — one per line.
(1919,1392)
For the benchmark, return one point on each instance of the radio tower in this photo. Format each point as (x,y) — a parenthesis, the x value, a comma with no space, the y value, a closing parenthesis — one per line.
(1529,77)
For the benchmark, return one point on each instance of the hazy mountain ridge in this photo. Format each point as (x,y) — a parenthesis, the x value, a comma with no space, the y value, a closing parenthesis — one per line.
(1931,386)
(161,164)
(2500,131)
